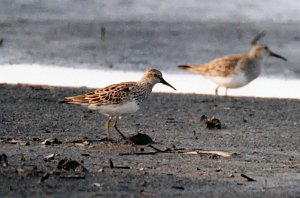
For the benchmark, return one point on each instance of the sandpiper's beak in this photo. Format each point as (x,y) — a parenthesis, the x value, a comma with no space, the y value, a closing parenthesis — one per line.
(277,56)
(166,83)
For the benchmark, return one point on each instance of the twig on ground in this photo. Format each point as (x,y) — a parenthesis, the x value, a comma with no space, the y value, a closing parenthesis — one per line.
(247,177)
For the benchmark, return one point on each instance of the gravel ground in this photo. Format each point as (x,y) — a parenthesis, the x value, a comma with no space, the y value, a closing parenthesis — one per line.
(261,137)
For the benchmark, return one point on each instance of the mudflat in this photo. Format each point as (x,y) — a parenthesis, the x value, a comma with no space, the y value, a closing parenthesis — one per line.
(255,153)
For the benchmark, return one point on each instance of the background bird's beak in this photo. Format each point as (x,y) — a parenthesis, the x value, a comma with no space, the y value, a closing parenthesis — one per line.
(277,56)
(166,83)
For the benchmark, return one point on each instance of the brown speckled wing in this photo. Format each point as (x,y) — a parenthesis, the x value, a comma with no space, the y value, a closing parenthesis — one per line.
(113,94)
(219,67)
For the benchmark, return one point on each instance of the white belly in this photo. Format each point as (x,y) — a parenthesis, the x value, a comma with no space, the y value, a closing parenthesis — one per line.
(116,109)
(233,81)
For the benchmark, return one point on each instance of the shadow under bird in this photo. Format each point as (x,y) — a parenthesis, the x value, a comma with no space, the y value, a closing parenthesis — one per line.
(234,71)
(119,99)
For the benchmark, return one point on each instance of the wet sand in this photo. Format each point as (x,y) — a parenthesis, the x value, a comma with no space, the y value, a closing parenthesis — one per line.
(261,134)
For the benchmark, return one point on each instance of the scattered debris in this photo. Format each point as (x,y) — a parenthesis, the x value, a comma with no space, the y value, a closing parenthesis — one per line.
(195,135)
(68,164)
(13,141)
(146,193)
(156,150)
(81,142)
(5,140)
(167,150)
(98,185)
(247,177)
(49,158)
(211,123)
(85,154)
(22,170)
(22,157)
(1,42)
(111,165)
(45,177)
(35,139)
(3,160)
(178,187)
(141,139)
(51,141)
(230,175)
(26,169)
(218,153)
(171,120)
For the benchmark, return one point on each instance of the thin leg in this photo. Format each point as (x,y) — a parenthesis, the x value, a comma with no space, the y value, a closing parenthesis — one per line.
(226,91)
(216,90)
(107,124)
(115,126)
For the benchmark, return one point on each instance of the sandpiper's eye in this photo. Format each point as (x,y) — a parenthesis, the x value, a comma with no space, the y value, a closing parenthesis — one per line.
(155,75)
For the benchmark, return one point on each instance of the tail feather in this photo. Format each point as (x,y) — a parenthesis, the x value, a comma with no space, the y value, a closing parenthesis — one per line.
(184,67)
(74,99)
(192,68)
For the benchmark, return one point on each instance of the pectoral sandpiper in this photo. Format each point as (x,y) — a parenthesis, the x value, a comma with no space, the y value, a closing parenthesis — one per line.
(235,71)
(119,99)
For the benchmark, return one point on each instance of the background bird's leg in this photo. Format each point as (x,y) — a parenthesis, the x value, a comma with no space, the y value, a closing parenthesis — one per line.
(216,90)
(226,91)
(115,126)
(107,124)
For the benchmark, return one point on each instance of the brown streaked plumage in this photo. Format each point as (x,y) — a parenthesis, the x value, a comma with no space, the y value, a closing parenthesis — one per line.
(119,99)
(235,71)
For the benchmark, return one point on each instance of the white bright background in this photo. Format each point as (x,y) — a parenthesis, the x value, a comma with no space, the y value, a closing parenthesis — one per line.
(184,83)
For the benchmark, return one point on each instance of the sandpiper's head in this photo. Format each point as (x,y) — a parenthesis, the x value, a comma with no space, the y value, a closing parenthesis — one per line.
(154,76)
(262,51)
